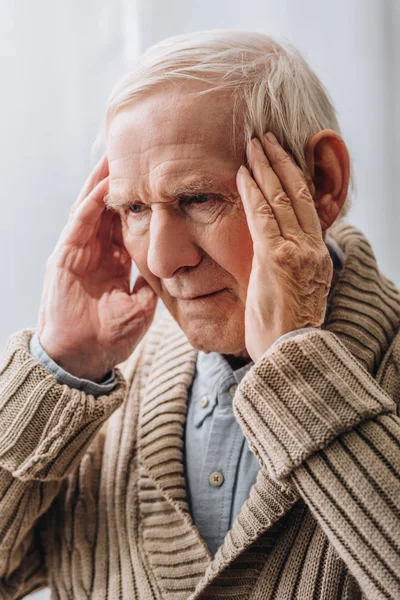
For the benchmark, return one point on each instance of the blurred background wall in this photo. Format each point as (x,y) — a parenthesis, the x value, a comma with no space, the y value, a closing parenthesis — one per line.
(59,61)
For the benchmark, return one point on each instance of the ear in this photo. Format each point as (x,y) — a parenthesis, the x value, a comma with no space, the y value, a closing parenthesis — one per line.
(328,164)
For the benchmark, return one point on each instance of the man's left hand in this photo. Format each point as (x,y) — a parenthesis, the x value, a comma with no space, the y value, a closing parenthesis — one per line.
(292,269)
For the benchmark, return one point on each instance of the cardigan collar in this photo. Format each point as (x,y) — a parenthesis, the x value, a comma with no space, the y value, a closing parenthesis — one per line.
(365,315)
(365,311)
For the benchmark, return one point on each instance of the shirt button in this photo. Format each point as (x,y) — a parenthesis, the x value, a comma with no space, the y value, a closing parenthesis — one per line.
(232,389)
(216,479)
(204,402)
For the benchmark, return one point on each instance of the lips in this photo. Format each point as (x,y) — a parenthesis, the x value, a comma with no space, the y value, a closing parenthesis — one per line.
(203,295)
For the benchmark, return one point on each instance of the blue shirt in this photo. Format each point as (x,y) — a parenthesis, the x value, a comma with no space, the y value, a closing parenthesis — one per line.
(220,467)
(216,448)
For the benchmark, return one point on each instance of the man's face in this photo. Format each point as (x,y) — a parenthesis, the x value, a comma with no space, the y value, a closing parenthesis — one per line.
(188,238)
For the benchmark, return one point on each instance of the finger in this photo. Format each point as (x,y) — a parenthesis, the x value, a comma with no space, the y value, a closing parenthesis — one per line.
(140,283)
(105,227)
(99,172)
(85,222)
(116,234)
(144,293)
(271,188)
(119,250)
(308,179)
(294,183)
(260,217)
(145,302)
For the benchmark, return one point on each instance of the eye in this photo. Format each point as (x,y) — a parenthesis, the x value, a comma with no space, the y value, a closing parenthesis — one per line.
(136,208)
(199,199)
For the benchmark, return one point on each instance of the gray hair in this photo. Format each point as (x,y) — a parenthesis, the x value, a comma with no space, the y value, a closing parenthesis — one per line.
(272,85)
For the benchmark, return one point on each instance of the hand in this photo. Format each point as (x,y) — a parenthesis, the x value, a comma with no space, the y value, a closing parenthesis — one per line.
(292,268)
(88,320)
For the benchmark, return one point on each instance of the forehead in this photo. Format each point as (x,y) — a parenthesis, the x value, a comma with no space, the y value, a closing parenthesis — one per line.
(175,115)
(170,138)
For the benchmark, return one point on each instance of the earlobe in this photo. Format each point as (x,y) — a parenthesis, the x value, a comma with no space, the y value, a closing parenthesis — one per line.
(328,163)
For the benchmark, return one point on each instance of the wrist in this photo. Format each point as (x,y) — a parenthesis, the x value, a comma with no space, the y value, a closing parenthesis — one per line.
(79,369)
(278,338)
(82,373)
(79,365)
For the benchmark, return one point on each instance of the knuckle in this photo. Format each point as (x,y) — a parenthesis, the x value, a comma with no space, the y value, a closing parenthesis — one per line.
(327,263)
(313,257)
(303,193)
(264,210)
(281,198)
(288,254)
(284,158)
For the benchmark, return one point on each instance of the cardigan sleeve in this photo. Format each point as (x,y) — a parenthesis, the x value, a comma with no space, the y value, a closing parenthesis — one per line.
(290,334)
(61,376)
(45,429)
(317,419)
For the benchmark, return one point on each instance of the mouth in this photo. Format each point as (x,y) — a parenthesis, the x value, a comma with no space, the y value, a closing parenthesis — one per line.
(202,296)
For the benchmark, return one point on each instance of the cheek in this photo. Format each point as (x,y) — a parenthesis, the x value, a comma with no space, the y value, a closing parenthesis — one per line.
(230,245)
(134,244)
(137,246)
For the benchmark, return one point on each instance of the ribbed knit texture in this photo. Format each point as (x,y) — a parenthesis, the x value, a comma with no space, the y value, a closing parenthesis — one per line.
(92,490)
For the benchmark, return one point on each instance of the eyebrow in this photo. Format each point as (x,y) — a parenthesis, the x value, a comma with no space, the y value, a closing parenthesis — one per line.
(195,185)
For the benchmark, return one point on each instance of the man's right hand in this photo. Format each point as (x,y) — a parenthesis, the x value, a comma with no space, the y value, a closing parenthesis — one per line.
(88,319)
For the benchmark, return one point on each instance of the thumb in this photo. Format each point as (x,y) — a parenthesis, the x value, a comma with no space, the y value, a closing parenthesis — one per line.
(144,293)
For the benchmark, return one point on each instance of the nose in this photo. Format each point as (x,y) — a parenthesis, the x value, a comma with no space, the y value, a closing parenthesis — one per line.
(171,244)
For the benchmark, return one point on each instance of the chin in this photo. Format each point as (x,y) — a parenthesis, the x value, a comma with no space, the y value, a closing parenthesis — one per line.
(211,326)
(225,338)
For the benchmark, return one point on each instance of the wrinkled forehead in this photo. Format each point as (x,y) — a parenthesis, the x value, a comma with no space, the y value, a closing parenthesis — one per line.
(176,115)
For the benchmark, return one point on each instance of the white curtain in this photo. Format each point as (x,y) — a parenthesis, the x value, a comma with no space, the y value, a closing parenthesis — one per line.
(59,61)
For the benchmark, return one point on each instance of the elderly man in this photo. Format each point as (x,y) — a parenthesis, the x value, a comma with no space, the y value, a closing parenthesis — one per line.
(243,443)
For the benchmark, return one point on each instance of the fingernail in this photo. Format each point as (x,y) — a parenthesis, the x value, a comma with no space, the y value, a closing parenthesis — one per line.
(256,143)
(271,138)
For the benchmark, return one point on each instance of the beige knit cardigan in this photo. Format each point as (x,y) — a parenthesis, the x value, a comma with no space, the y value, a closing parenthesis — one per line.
(93,500)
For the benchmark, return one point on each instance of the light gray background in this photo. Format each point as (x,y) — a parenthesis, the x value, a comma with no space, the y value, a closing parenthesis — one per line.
(59,61)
